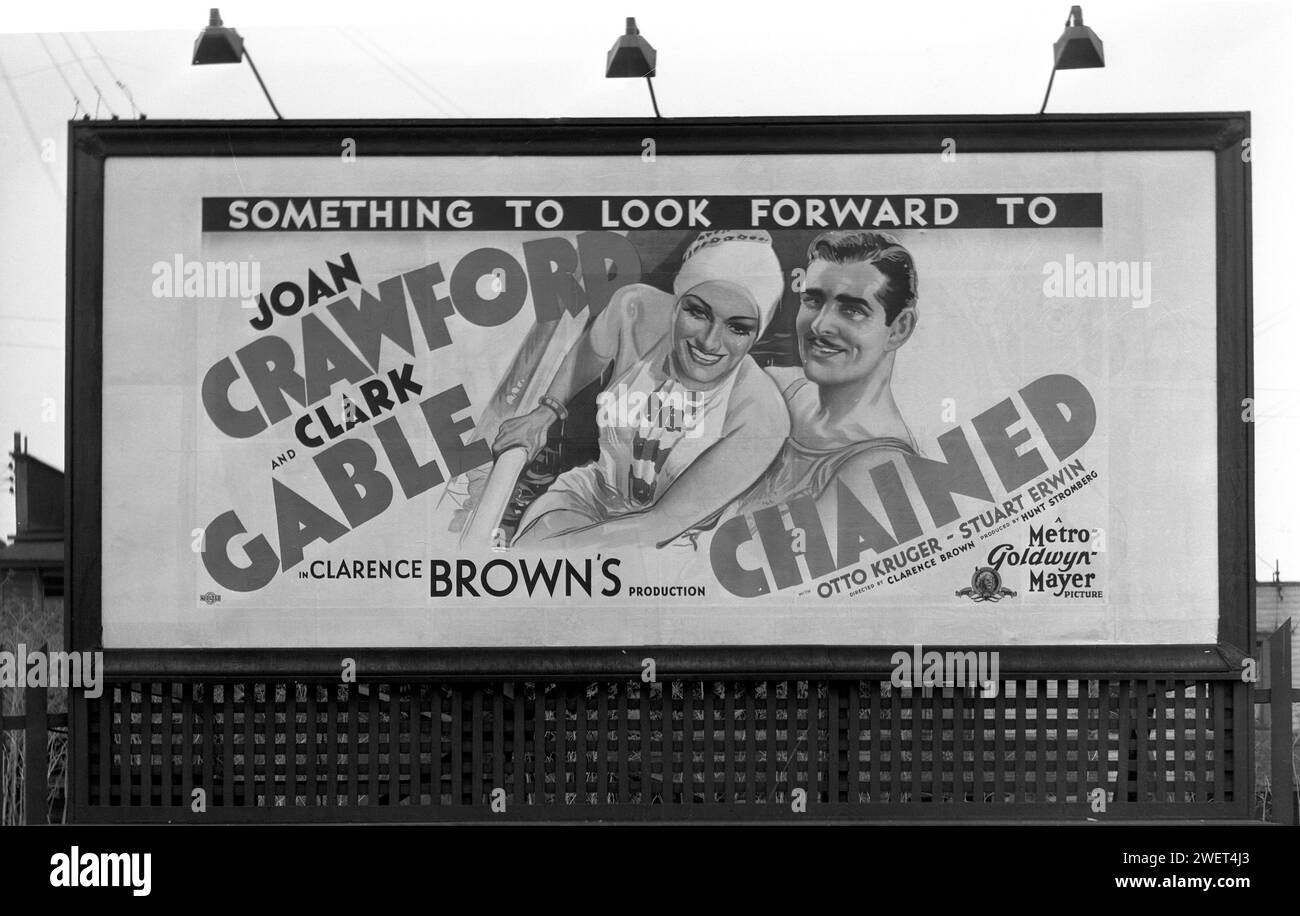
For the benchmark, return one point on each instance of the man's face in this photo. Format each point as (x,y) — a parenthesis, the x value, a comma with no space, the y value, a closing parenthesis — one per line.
(841,323)
(714,326)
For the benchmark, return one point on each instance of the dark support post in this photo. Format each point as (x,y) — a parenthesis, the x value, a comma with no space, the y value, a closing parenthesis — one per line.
(36,758)
(1284,801)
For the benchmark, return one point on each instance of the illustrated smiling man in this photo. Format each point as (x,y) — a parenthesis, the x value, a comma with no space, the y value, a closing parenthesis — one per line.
(857,308)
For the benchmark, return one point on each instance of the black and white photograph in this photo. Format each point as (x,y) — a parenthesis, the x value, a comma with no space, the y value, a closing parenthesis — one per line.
(690,423)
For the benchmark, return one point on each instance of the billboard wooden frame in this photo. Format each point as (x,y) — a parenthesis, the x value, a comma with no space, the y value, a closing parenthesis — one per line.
(92,142)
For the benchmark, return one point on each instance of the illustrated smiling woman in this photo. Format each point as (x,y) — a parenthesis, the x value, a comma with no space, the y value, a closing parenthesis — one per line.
(663,470)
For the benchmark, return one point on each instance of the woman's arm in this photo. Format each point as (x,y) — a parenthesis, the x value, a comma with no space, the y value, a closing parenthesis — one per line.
(751,439)
(628,322)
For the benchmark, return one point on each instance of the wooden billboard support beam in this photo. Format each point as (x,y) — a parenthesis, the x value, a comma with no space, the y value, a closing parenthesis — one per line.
(1284,801)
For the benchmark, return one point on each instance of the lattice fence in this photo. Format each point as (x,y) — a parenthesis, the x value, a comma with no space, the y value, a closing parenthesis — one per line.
(624,749)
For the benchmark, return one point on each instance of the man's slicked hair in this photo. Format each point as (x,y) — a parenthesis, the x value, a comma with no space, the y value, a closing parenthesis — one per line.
(882,251)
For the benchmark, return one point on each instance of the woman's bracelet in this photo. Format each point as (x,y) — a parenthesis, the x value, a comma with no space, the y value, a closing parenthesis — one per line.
(554,406)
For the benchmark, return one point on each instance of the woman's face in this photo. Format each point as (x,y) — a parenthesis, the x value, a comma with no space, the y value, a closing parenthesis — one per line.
(714,325)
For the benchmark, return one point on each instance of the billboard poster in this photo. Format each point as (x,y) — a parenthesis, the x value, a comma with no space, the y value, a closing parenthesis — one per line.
(598,400)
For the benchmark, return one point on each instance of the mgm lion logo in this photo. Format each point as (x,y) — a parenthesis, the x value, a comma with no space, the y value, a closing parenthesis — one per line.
(985,585)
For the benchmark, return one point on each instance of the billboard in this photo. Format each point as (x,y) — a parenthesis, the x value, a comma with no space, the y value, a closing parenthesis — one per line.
(585,396)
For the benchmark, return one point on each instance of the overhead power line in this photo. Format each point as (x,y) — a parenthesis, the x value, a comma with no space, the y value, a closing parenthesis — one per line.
(63,76)
(99,95)
(415,82)
(103,62)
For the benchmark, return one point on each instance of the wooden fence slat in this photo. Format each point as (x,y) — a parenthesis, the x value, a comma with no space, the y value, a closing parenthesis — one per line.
(602,746)
(646,751)
(1062,734)
(667,730)
(332,749)
(791,738)
(1180,741)
(270,782)
(395,745)
(1160,776)
(372,745)
(498,748)
(1083,726)
(1240,756)
(855,742)
(518,746)
(624,746)
(751,743)
(354,711)
(1283,788)
(227,746)
(936,739)
(896,744)
(1103,738)
(206,724)
(729,742)
(999,722)
(918,752)
(833,741)
(1021,791)
(312,747)
(1125,774)
(474,791)
(165,785)
(1145,774)
(688,742)
(36,756)
(813,741)
(978,707)
(959,744)
(539,744)
(769,772)
(146,744)
(250,747)
(109,700)
(561,752)
(291,744)
(580,747)
(708,699)
(874,726)
(436,701)
(1040,741)
(456,748)
(1203,762)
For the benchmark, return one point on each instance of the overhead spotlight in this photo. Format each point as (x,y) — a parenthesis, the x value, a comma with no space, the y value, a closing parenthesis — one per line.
(1078,48)
(632,57)
(218,44)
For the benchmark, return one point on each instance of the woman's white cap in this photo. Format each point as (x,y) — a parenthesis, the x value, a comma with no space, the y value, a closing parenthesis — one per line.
(743,257)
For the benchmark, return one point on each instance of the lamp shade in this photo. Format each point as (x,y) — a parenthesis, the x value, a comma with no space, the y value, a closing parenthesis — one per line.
(631,56)
(1078,47)
(217,44)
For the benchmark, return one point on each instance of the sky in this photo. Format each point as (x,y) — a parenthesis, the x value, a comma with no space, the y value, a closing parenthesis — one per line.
(381,59)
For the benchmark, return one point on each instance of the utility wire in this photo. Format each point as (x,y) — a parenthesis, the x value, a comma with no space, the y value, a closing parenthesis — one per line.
(437,99)
(406,82)
(82,64)
(31,131)
(449,102)
(103,62)
(63,76)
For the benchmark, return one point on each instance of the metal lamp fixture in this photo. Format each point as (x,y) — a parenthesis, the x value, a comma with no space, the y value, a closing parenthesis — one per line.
(219,45)
(632,57)
(1078,48)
